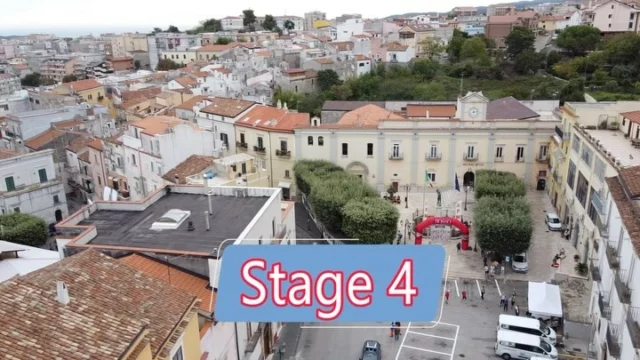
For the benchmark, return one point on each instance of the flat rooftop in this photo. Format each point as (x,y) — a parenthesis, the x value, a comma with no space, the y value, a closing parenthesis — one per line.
(619,146)
(132,229)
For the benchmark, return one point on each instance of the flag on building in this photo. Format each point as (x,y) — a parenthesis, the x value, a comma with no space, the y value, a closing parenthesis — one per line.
(427,179)
(457,184)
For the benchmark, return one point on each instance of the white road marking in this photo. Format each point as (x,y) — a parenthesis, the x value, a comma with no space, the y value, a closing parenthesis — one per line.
(499,292)
(433,336)
(479,290)
(453,351)
(425,350)
(457,291)
(404,338)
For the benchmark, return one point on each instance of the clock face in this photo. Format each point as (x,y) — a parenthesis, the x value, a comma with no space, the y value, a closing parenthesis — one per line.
(473,112)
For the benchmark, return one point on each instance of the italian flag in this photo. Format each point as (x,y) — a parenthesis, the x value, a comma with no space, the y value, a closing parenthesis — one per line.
(427,179)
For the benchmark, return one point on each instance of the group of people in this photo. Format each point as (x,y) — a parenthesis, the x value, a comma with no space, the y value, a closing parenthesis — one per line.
(395,330)
(504,302)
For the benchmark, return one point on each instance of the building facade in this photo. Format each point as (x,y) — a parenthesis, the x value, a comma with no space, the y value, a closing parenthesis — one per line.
(9,84)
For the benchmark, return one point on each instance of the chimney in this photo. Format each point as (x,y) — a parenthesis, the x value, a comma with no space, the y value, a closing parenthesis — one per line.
(62,293)
(206,219)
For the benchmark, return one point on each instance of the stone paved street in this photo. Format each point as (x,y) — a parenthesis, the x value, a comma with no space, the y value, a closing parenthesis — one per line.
(544,243)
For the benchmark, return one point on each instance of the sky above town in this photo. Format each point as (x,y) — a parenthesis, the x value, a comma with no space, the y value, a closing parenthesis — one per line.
(79,17)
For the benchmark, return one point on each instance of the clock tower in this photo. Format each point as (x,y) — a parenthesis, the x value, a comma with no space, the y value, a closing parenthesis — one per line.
(472,107)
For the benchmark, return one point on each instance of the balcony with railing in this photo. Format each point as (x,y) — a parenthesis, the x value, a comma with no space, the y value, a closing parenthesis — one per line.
(598,203)
(595,271)
(633,325)
(241,145)
(433,157)
(283,153)
(604,305)
(603,228)
(613,340)
(612,255)
(621,282)
(259,149)
(470,157)
(543,159)
(394,155)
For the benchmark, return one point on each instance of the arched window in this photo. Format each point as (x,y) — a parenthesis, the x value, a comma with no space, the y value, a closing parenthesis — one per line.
(320,141)
(315,122)
(310,140)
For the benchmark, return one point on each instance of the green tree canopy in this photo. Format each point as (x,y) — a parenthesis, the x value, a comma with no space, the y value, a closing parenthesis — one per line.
(327,79)
(503,225)
(578,40)
(223,41)
(528,62)
(474,49)
(433,91)
(173,29)
(289,25)
(519,40)
(69,78)
(426,69)
(24,229)
(269,23)
(499,184)
(573,91)
(32,80)
(249,17)
(372,220)
(291,98)
(211,25)
(623,49)
(307,172)
(455,45)
(167,64)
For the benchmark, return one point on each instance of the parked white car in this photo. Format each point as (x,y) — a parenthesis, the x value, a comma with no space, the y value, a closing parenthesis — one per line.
(519,263)
(553,222)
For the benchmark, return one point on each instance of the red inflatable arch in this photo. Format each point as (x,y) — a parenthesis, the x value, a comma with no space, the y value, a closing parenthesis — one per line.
(443,221)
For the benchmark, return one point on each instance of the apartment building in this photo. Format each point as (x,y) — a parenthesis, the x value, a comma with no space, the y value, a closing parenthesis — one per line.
(591,140)
(206,217)
(14,103)
(613,17)
(311,17)
(58,67)
(30,185)
(267,133)
(161,321)
(231,23)
(159,42)
(123,63)
(182,57)
(399,143)
(219,115)
(123,44)
(615,303)
(152,146)
(9,84)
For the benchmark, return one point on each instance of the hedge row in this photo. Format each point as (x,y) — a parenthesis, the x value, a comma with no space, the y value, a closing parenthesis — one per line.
(499,184)
(24,229)
(344,203)
(502,219)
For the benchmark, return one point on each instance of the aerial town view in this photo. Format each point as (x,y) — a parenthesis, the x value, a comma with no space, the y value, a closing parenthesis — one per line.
(139,140)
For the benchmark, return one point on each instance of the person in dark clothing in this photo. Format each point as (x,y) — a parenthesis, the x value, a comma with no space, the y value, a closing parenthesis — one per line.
(458,247)
(482,293)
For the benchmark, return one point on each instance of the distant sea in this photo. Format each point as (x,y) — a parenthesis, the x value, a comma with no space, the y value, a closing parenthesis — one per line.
(82,30)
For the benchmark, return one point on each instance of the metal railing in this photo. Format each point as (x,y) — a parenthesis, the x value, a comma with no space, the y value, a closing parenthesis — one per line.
(604,305)
(634,325)
(470,157)
(602,228)
(396,156)
(433,157)
(283,153)
(612,255)
(259,149)
(613,341)
(622,288)
(595,271)
(542,159)
(241,145)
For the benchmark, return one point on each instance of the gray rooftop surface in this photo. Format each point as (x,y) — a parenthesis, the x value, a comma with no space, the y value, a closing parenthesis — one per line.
(231,215)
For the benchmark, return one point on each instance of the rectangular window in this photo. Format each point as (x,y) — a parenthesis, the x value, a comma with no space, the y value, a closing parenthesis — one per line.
(260,142)
(471,152)
(520,154)
(178,355)
(575,144)
(599,169)
(133,160)
(586,156)
(159,168)
(16,209)
(56,199)
(582,190)
(499,151)
(544,149)
(593,212)
(242,138)
(119,161)
(370,149)
(395,152)
(151,144)
(345,149)
(431,176)
(42,173)
(571,175)
(286,174)
(11,185)
(151,166)
(283,145)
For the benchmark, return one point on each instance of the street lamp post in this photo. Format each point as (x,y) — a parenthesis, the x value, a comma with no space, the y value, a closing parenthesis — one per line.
(466,191)
(406,198)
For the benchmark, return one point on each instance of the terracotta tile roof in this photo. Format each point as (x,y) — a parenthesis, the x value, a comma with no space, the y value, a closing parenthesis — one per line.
(227,107)
(189,283)
(324,61)
(440,111)
(157,125)
(189,104)
(96,144)
(79,144)
(7,154)
(201,73)
(367,115)
(132,103)
(222,70)
(110,305)
(68,124)
(273,119)
(186,82)
(264,53)
(217,48)
(21,66)
(310,74)
(509,109)
(552,18)
(360,57)
(629,211)
(362,36)
(633,116)
(294,71)
(146,93)
(631,178)
(194,164)
(85,157)
(83,85)
(342,45)
(420,27)
(396,46)
(46,137)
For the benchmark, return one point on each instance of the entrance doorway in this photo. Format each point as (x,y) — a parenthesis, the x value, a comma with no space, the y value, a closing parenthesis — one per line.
(468,179)
(395,186)
(58,215)
(542,184)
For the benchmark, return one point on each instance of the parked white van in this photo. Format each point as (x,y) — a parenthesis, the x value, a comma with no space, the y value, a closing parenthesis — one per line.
(515,345)
(527,325)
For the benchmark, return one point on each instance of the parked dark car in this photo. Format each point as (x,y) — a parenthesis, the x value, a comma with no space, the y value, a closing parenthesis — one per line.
(371,350)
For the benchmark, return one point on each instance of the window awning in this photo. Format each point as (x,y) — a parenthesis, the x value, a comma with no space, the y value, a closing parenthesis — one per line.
(284,185)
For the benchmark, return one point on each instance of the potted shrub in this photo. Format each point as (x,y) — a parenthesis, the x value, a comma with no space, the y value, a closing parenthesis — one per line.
(581,269)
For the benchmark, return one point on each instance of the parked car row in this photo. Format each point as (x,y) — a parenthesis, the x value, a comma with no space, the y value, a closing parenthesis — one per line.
(525,338)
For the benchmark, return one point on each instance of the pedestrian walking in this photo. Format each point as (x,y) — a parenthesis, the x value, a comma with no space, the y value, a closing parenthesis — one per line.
(482,293)
(513,301)
(506,305)
(396,331)
(486,271)
(464,294)
(502,300)
(516,309)
(492,271)
(513,293)
(446,296)
(458,247)
(484,260)
(308,224)
(392,329)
